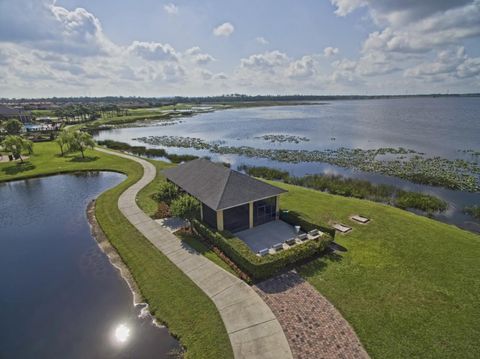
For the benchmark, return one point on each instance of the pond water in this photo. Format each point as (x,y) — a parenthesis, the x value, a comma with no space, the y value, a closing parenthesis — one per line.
(60,296)
(434,126)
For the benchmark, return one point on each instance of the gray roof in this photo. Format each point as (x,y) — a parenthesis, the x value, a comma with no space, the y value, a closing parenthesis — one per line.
(217,186)
(9,111)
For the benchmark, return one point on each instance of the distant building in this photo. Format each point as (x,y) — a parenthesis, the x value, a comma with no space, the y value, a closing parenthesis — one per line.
(10,112)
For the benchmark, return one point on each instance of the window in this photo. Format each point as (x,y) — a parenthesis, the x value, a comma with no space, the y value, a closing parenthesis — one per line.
(264,210)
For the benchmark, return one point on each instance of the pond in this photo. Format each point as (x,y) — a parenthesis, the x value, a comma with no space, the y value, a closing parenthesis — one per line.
(61,297)
(434,126)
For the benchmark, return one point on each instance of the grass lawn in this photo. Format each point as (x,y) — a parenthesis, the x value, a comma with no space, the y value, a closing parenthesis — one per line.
(200,247)
(173,298)
(145,201)
(410,286)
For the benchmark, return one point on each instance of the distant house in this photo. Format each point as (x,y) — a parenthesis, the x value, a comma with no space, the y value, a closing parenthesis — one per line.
(230,200)
(10,112)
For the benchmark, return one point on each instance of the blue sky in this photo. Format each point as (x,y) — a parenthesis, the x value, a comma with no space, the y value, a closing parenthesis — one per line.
(156,48)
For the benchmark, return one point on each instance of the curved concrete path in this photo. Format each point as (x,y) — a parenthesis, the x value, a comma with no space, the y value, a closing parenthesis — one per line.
(253,329)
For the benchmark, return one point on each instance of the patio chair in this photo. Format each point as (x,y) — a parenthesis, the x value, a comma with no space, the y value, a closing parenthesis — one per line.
(291,241)
(314,234)
(263,252)
(302,237)
(342,228)
(361,219)
(278,247)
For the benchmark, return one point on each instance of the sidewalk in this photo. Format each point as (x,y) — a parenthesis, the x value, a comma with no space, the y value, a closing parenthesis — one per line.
(253,329)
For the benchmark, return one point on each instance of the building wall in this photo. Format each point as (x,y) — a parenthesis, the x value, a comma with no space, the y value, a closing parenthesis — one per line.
(209,216)
(264,210)
(236,218)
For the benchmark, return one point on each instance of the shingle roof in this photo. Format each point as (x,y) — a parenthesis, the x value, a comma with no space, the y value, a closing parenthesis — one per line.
(8,111)
(217,186)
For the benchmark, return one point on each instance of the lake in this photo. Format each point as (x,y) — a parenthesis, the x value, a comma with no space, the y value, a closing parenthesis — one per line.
(61,297)
(434,126)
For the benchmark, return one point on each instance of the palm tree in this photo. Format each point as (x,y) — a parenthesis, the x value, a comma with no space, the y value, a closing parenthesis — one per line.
(63,140)
(16,145)
(80,141)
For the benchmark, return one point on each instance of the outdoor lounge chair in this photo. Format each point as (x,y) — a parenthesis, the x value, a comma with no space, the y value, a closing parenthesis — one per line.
(302,237)
(341,228)
(314,234)
(278,247)
(263,252)
(360,219)
(291,241)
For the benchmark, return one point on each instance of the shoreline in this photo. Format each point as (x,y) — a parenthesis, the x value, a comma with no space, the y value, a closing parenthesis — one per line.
(116,261)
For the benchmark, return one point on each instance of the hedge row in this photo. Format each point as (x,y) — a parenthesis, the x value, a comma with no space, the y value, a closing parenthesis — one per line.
(255,266)
(296,220)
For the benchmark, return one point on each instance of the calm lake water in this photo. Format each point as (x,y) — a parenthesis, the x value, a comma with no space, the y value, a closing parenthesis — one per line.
(60,296)
(435,126)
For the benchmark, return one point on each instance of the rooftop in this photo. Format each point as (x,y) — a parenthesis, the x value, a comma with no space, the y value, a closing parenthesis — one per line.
(217,186)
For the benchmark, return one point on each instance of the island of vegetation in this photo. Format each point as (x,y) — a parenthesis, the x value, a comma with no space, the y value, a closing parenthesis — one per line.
(407,164)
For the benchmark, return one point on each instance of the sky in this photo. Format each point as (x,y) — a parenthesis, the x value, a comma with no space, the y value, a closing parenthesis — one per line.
(212,47)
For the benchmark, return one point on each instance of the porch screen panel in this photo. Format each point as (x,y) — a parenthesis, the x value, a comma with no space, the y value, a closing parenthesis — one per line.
(209,216)
(236,219)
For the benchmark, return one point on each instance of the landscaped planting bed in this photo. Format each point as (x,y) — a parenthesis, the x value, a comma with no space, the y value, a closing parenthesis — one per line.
(255,266)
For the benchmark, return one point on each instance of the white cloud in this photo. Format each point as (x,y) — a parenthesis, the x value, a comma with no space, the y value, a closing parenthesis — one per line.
(448,63)
(266,62)
(302,69)
(344,7)
(220,76)
(153,51)
(416,26)
(225,30)
(330,51)
(171,9)
(261,40)
(195,55)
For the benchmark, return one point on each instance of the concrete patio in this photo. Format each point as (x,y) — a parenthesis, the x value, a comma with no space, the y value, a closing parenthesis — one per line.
(266,235)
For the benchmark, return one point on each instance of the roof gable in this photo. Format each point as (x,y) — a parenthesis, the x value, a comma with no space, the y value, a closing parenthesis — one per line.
(217,186)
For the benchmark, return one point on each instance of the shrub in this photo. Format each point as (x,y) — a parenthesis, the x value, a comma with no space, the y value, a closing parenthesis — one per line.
(255,266)
(420,201)
(167,193)
(352,187)
(264,172)
(13,127)
(180,158)
(163,211)
(473,211)
(295,219)
(185,207)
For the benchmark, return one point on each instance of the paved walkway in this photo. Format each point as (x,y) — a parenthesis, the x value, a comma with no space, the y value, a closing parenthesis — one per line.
(253,329)
(314,328)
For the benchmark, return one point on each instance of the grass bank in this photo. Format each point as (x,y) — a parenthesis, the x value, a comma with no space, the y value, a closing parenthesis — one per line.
(173,298)
(409,285)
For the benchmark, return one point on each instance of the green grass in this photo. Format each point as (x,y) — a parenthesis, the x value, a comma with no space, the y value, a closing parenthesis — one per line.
(409,285)
(46,160)
(144,199)
(173,298)
(200,247)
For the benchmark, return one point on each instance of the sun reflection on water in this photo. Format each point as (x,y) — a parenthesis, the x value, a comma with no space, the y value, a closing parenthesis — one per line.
(122,333)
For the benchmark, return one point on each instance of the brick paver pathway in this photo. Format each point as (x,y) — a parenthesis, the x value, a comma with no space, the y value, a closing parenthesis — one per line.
(314,328)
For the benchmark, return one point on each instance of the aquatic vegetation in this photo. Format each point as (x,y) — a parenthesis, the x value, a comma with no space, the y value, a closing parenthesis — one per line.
(283,138)
(148,152)
(473,211)
(265,172)
(350,187)
(436,171)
